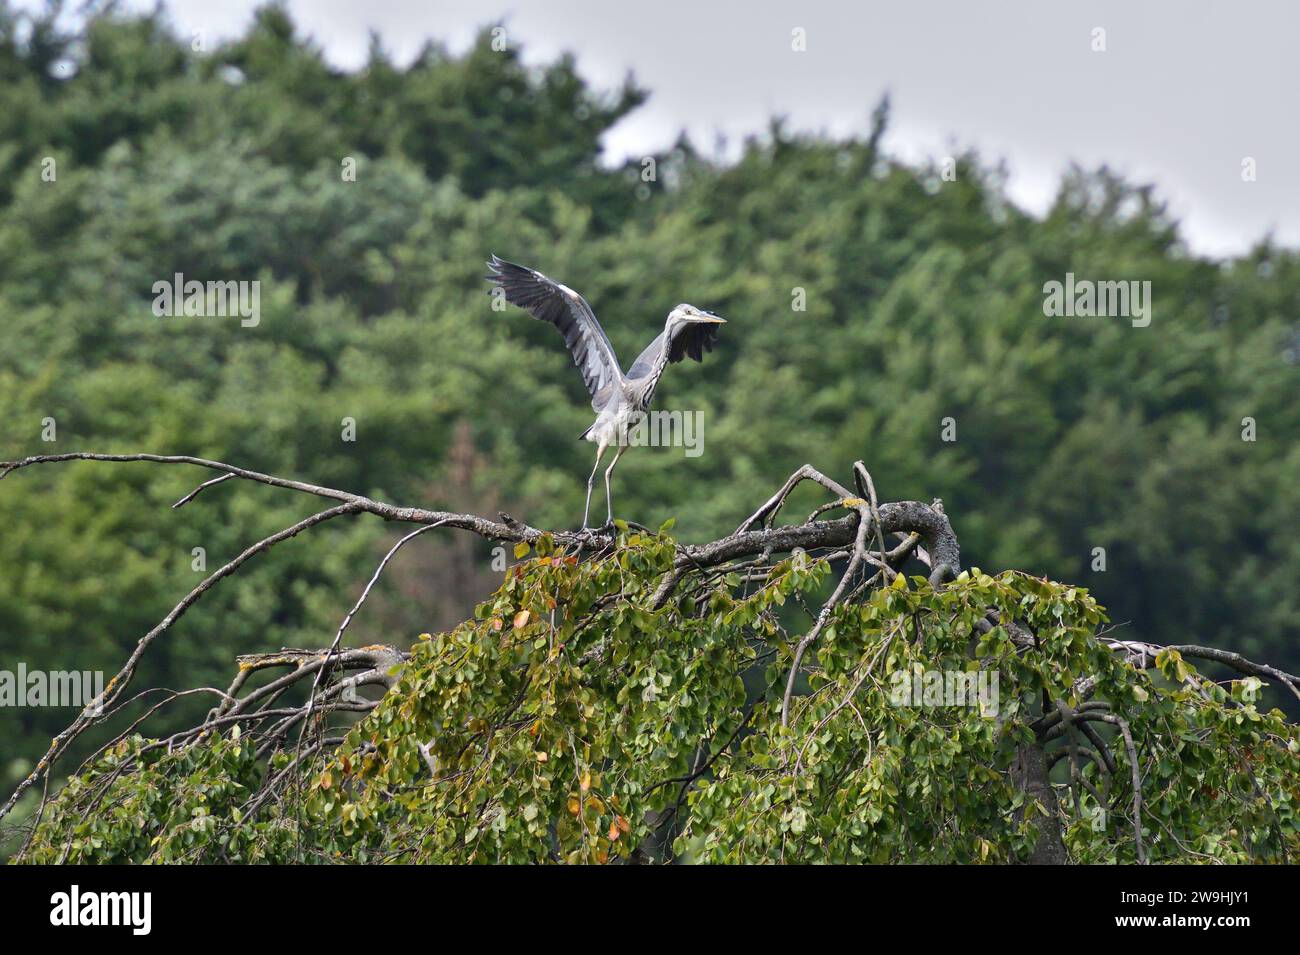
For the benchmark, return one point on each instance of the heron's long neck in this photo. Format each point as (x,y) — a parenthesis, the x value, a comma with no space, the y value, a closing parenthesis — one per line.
(652,380)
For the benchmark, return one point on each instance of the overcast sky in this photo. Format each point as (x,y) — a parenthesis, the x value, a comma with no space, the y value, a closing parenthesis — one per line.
(1184,91)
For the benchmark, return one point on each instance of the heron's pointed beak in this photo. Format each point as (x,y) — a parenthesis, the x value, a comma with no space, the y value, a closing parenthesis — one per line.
(714,319)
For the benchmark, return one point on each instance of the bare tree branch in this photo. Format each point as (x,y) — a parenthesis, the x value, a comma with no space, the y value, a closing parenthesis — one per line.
(93,712)
(1143,655)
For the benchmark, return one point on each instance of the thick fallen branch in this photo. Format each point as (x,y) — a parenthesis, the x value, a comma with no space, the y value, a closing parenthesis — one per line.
(927,520)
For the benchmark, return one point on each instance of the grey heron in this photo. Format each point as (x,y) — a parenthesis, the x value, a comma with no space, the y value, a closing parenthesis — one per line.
(619,400)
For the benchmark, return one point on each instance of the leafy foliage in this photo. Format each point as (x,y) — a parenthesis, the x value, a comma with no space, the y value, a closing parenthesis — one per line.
(568,721)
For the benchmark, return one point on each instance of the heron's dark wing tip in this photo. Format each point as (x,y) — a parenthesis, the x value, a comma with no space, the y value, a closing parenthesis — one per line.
(502,265)
(501,271)
(693,342)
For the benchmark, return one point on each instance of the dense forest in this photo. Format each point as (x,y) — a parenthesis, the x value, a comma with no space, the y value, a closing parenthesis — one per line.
(868,301)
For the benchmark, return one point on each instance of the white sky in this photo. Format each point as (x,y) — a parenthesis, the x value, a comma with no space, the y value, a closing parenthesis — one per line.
(1184,91)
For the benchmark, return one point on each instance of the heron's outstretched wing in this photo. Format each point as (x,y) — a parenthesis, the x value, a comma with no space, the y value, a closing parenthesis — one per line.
(549,301)
(692,340)
(648,360)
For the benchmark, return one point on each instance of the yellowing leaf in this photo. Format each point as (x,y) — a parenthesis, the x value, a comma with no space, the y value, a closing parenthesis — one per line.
(521,619)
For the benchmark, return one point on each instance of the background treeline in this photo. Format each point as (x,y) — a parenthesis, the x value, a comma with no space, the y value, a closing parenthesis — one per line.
(924,301)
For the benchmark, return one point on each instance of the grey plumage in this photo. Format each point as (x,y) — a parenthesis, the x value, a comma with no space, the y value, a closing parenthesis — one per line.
(619,399)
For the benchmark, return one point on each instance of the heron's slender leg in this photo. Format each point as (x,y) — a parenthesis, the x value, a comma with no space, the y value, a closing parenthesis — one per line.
(609,501)
(600,452)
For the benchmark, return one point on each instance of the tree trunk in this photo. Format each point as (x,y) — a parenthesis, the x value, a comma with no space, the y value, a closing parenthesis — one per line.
(1029,773)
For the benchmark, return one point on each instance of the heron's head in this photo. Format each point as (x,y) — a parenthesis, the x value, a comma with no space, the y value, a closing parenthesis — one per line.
(690,315)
